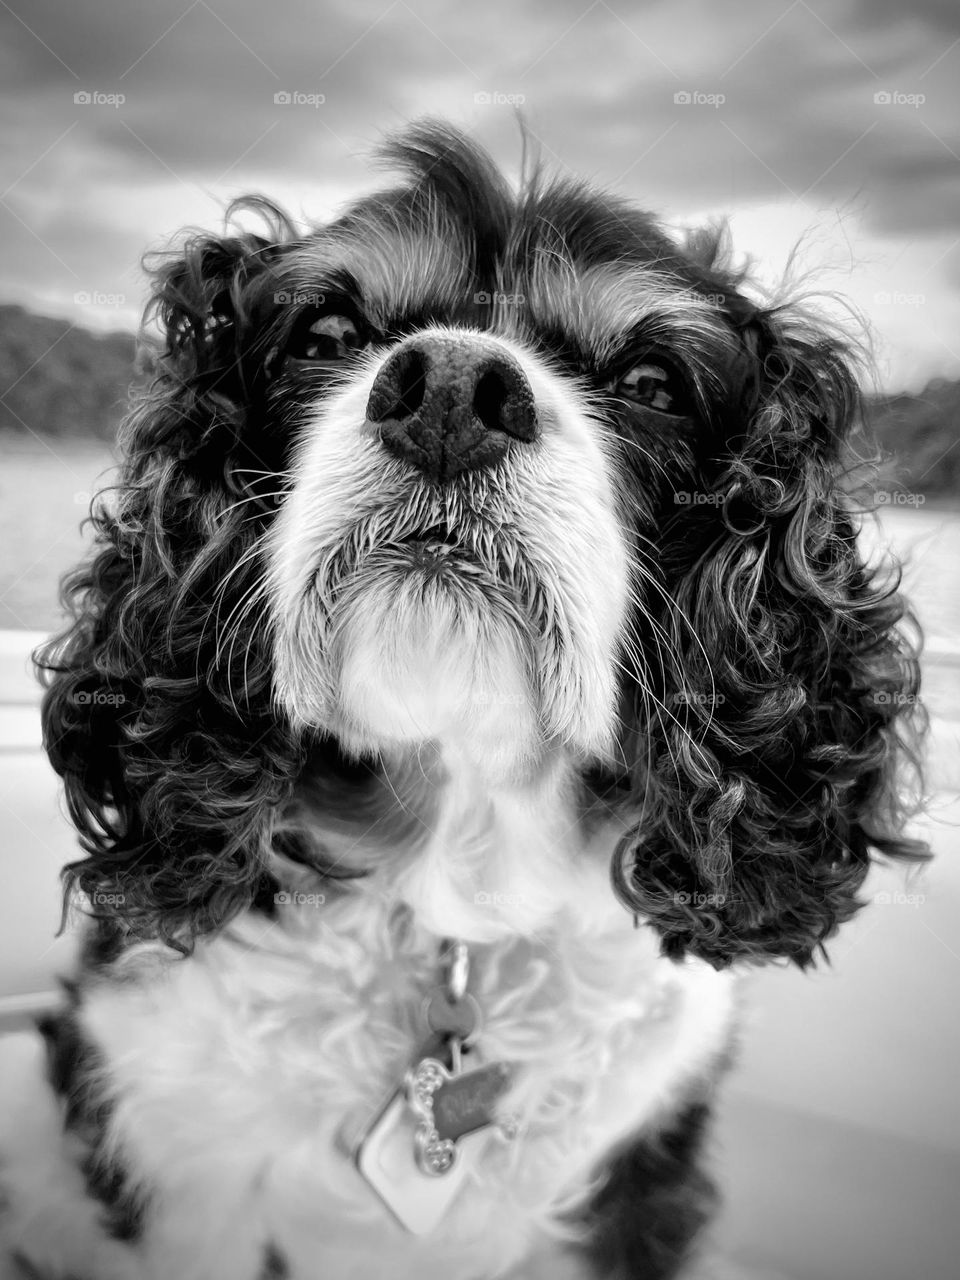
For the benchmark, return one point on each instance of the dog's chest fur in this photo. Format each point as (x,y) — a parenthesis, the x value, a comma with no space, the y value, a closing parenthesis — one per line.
(243,1078)
(239,1080)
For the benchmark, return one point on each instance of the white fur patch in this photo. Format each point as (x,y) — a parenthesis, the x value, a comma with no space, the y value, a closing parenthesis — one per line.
(381,661)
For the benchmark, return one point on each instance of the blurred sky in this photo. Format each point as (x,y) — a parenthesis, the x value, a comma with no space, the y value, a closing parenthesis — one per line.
(834,123)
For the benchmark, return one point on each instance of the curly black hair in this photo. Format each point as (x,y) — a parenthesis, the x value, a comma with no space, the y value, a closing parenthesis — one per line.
(787,666)
(173,758)
(793,672)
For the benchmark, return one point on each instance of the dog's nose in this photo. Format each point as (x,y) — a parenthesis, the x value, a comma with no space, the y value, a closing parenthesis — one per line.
(451,403)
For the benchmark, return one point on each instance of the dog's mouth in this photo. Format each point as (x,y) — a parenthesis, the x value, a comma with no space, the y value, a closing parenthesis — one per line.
(437,542)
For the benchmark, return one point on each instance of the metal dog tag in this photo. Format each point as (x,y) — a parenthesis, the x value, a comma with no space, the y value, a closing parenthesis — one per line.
(451,1103)
(435,1155)
(419,1150)
(386,1159)
(465,1103)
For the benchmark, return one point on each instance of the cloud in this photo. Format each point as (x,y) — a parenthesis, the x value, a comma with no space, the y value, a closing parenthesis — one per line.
(793,120)
(939,16)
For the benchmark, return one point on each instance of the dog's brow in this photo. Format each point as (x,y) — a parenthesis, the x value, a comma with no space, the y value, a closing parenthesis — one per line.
(597,307)
(397,270)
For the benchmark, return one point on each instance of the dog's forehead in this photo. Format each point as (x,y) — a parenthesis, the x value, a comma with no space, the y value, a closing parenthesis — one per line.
(395,268)
(566,260)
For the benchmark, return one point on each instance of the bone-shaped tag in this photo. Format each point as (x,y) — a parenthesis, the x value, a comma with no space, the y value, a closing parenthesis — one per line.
(449,1106)
(465,1103)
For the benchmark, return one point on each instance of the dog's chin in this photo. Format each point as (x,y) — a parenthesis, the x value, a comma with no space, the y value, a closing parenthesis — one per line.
(428,647)
(450,639)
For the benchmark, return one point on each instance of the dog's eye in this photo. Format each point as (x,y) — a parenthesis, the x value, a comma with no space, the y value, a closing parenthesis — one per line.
(326,339)
(655,384)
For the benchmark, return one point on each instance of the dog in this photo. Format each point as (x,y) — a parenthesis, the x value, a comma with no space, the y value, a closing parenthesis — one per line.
(475,671)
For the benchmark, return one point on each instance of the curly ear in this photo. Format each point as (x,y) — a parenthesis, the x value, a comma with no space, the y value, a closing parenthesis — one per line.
(790,699)
(157,713)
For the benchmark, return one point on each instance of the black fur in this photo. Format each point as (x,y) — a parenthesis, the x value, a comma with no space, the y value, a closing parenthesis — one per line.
(654,1202)
(75,1073)
(274,1265)
(23,1269)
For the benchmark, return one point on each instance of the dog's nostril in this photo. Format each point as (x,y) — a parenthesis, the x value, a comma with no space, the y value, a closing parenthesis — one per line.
(503,401)
(413,381)
(488,400)
(399,391)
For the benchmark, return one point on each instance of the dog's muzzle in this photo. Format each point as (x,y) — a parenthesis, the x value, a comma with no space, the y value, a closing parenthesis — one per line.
(448,403)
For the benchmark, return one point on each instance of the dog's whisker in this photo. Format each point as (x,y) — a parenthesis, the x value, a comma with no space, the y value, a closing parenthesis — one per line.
(250,556)
(262,498)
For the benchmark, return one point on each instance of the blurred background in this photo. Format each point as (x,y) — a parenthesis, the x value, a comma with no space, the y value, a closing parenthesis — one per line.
(829,135)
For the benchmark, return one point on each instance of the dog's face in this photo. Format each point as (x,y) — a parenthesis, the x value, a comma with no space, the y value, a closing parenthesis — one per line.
(460,540)
(450,561)
(493,407)
(518,474)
